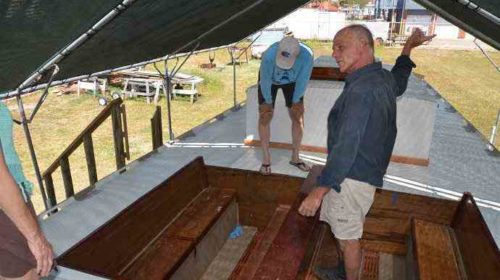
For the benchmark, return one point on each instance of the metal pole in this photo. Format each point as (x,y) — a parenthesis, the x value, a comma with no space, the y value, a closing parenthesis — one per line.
(234,76)
(491,145)
(167,80)
(27,133)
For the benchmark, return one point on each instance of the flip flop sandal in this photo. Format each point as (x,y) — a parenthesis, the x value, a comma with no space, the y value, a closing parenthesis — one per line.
(301,165)
(265,169)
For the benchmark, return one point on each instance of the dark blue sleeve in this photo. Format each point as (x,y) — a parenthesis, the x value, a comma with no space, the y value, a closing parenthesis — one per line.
(342,155)
(401,72)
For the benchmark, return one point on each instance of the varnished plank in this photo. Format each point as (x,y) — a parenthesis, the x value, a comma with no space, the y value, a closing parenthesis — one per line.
(285,255)
(433,251)
(478,249)
(190,226)
(257,250)
(107,251)
(258,196)
(201,214)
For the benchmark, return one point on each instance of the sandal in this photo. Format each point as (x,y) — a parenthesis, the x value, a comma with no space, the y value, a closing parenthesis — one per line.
(301,165)
(265,169)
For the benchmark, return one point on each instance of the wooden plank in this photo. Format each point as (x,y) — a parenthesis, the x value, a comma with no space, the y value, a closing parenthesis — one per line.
(322,251)
(284,257)
(207,248)
(123,113)
(89,155)
(369,265)
(108,250)
(258,196)
(250,263)
(201,214)
(49,185)
(66,175)
(156,129)
(478,249)
(118,137)
(323,150)
(192,225)
(327,73)
(383,246)
(433,251)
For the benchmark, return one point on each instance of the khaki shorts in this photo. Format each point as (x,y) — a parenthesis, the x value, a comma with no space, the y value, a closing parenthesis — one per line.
(345,211)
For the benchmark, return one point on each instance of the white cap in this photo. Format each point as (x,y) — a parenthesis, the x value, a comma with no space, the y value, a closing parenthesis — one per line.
(288,51)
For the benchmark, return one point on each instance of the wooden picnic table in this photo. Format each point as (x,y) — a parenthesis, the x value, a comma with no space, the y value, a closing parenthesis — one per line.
(143,87)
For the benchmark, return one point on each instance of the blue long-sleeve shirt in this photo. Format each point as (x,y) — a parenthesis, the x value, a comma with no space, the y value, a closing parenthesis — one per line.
(299,74)
(362,124)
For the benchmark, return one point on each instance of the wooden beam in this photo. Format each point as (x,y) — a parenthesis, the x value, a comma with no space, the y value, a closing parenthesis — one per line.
(89,155)
(315,149)
(49,185)
(327,73)
(118,137)
(66,175)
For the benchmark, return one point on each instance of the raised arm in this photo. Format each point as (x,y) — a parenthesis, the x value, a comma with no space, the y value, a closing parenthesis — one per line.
(404,65)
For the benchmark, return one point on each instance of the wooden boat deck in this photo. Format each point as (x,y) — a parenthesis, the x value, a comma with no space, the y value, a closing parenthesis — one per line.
(84,214)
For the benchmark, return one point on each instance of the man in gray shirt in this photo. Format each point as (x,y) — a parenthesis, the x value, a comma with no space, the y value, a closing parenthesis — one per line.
(361,135)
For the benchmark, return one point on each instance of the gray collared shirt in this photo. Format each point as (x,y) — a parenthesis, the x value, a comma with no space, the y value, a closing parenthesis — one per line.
(362,124)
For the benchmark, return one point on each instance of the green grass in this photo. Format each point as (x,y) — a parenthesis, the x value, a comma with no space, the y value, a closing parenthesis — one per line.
(464,78)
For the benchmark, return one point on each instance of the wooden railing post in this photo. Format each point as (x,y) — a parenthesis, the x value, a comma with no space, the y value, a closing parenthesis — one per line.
(125,131)
(89,155)
(66,175)
(156,129)
(118,137)
(49,185)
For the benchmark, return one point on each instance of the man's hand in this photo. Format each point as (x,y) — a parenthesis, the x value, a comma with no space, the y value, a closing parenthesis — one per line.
(42,250)
(312,202)
(416,39)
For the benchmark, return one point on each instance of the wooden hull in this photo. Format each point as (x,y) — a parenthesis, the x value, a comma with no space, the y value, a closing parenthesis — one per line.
(171,231)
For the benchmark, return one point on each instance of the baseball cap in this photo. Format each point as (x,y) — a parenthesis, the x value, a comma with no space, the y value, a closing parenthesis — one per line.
(288,50)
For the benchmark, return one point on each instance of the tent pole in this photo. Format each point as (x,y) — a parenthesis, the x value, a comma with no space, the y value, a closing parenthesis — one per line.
(233,59)
(167,82)
(29,140)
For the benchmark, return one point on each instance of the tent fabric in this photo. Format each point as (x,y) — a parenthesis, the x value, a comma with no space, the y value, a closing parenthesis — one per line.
(33,31)
(469,20)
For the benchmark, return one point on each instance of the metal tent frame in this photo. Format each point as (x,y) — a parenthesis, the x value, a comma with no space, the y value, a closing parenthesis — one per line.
(27,85)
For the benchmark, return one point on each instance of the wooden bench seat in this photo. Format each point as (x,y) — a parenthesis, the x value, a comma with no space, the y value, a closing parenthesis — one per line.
(434,251)
(168,252)
(175,229)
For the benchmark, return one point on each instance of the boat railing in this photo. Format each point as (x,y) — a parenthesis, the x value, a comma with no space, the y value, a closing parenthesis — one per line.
(115,109)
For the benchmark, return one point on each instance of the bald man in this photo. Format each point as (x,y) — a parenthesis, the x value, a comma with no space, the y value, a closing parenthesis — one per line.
(361,135)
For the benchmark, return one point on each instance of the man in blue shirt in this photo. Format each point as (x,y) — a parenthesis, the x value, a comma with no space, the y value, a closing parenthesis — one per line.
(285,65)
(361,135)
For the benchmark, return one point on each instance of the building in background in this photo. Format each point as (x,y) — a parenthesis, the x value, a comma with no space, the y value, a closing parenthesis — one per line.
(406,15)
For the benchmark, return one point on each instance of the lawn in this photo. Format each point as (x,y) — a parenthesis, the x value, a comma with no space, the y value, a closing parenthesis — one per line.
(464,78)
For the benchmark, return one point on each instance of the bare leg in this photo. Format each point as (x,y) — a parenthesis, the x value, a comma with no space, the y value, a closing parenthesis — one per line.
(352,257)
(297,116)
(265,117)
